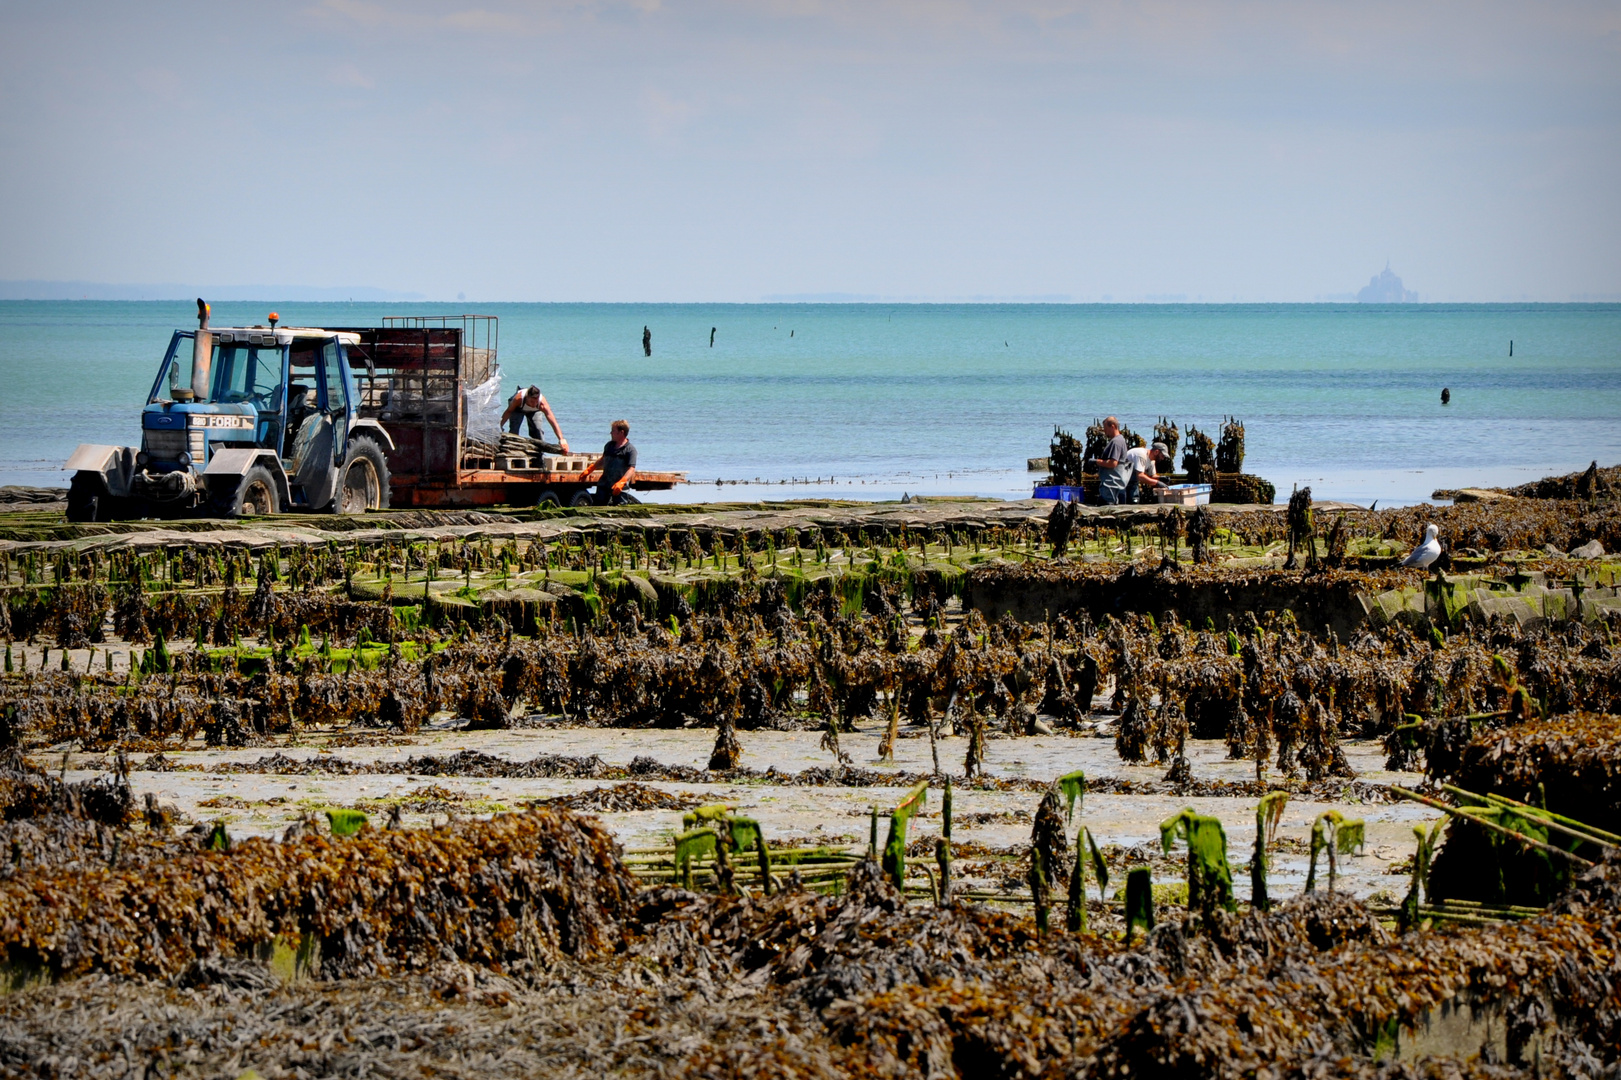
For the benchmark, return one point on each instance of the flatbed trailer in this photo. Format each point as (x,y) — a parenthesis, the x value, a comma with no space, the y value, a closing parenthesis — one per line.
(412,375)
(498,487)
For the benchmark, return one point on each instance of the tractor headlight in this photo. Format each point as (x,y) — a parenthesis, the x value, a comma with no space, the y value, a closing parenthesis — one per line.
(184,459)
(141,459)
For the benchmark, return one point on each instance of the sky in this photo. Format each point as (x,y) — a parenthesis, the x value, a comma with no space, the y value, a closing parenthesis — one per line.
(721,150)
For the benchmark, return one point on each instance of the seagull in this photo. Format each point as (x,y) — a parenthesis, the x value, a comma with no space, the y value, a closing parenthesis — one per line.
(1427,552)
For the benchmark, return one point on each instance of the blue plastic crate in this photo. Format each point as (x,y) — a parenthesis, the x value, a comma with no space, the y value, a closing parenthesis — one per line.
(1060,492)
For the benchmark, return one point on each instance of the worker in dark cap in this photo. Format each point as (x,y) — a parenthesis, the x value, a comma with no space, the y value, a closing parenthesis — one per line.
(525,404)
(1145,464)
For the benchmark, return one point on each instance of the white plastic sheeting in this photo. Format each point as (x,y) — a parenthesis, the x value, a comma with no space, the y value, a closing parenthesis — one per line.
(485,404)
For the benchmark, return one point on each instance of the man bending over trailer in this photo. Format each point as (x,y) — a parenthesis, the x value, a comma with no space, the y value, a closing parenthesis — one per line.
(618,465)
(523,406)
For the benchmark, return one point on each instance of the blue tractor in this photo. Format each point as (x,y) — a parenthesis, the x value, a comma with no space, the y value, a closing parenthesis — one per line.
(242,421)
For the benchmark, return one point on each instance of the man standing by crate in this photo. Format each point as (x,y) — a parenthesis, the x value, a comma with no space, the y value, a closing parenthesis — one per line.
(523,406)
(1114,470)
(618,465)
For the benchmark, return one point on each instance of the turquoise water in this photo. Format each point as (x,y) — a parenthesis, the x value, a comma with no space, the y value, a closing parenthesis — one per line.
(946,399)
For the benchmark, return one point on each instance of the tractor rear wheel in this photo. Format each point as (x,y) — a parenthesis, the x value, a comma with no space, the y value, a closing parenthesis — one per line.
(255,496)
(364,483)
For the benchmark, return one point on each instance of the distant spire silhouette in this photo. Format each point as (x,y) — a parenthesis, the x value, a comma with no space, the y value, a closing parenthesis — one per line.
(1386,288)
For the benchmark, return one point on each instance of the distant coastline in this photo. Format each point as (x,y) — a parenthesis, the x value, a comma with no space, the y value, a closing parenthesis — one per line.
(1377,292)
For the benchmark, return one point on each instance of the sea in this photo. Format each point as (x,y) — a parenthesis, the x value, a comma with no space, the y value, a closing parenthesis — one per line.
(875,401)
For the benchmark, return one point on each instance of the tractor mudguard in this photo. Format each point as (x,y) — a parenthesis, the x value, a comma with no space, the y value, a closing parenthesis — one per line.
(237,461)
(116,464)
(372,427)
(227,466)
(91,458)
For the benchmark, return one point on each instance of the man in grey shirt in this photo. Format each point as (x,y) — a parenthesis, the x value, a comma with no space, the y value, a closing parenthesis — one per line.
(1114,468)
(618,465)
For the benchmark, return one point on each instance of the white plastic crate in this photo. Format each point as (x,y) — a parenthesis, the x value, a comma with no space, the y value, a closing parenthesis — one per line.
(1184,494)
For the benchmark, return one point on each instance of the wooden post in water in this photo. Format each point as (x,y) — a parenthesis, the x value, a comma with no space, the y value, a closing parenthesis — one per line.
(1038,889)
(1139,900)
(1073,786)
(1075,917)
(1267,815)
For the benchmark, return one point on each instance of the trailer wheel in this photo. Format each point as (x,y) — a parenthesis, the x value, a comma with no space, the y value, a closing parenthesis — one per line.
(582,498)
(547,500)
(255,496)
(88,499)
(364,484)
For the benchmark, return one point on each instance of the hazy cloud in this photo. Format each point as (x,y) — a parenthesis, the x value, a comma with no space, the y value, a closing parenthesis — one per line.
(350,75)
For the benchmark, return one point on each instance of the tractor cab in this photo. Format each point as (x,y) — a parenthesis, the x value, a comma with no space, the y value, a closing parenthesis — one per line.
(242,407)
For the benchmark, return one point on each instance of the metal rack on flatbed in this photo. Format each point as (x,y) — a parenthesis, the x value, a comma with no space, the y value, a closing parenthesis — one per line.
(412,374)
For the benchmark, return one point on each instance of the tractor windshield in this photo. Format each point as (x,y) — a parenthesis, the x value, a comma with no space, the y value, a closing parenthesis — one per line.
(250,373)
(238,372)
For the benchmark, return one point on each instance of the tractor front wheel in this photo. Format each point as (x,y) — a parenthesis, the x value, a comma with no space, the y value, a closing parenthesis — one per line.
(255,496)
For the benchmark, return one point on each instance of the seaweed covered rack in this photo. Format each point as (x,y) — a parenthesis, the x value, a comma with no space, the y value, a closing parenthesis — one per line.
(922,789)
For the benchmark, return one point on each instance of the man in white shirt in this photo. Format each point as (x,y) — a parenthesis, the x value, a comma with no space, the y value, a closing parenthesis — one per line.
(1143,463)
(524,407)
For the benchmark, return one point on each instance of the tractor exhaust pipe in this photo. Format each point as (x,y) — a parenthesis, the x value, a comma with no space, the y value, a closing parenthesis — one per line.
(202,354)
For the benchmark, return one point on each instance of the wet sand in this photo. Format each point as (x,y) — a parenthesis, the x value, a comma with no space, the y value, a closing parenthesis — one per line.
(265,804)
